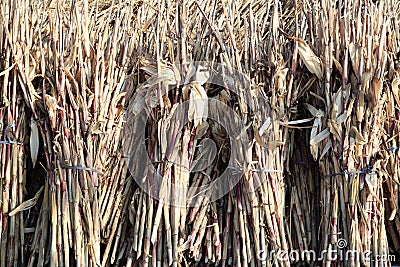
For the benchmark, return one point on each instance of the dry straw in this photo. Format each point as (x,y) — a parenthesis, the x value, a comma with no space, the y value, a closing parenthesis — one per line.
(323,115)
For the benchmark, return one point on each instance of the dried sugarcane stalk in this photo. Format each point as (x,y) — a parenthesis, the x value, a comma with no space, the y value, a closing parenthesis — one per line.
(347,135)
(71,118)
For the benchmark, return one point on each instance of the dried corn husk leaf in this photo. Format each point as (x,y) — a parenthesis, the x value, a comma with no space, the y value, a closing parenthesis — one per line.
(320,137)
(312,62)
(371,188)
(393,214)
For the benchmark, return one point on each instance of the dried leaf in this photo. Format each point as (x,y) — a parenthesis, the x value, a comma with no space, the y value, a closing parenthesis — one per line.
(338,66)
(360,108)
(265,126)
(27,204)
(318,114)
(7,70)
(201,130)
(34,141)
(320,137)
(355,55)
(371,188)
(202,75)
(328,146)
(393,214)
(312,62)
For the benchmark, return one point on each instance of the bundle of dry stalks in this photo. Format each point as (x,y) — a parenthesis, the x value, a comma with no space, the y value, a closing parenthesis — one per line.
(68,62)
(250,220)
(351,48)
(78,72)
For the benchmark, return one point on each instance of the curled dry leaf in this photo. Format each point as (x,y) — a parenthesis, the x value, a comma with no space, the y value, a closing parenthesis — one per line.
(312,62)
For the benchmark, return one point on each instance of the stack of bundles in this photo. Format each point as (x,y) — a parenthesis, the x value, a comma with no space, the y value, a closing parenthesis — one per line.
(350,48)
(189,223)
(68,63)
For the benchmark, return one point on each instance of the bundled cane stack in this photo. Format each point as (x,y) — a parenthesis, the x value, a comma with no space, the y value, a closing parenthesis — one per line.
(352,139)
(113,142)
